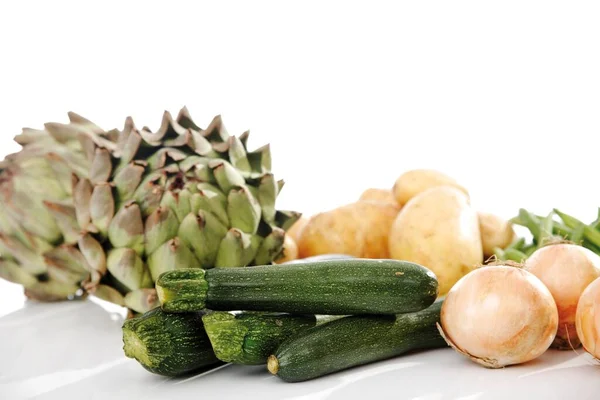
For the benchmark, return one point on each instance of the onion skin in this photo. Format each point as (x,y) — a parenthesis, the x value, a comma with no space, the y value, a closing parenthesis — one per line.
(566,270)
(588,319)
(499,316)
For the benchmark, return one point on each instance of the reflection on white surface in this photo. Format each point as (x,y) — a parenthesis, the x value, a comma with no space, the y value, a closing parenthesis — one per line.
(74,351)
(182,381)
(32,387)
(473,397)
(354,376)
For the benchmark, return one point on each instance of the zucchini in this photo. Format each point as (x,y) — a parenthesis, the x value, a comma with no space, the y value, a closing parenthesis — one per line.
(168,344)
(355,340)
(249,337)
(329,287)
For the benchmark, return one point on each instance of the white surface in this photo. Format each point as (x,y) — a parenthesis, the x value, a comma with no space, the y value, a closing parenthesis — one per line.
(73,351)
(501,95)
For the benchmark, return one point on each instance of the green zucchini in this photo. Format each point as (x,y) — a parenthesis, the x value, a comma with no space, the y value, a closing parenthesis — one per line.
(168,344)
(250,337)
(355,340)
(329,287)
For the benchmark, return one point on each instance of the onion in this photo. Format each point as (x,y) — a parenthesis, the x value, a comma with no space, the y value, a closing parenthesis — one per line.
(587,319)
(499,315)
(566,270)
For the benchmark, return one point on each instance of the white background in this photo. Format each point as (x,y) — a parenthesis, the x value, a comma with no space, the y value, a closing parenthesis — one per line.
(504,96)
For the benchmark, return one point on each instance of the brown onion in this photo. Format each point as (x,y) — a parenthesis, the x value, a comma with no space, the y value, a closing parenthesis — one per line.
(587,319)
(566,270)
(499,315)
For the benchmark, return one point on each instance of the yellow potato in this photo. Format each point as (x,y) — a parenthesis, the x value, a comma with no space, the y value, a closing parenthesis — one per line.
(379,196)
(338,231)
(290,250)
(495,232)
(378,218)
(359,229)
(439,230)
(295,229)
(416,181)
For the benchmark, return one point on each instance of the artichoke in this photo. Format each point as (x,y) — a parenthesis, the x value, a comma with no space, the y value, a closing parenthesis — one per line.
(105,213)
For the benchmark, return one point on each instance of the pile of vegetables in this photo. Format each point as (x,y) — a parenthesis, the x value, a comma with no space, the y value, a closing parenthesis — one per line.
(302,320)
(413,267)
(180,226)
(425,217)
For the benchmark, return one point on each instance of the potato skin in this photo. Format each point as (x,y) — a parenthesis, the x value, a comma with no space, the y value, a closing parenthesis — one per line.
(296,228)
(379,218)
(290,250)
(439,230)
(359,229)
(379,196)
(416,181)
(337,231)
(495,232)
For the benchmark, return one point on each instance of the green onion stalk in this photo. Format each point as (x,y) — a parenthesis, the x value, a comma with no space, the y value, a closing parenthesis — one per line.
(555,227)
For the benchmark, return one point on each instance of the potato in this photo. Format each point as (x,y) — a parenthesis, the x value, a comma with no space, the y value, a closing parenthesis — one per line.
(379,196)
(413,182)
(359,229)
(439,230)
(378,218)
(290,250)
(495,232)
(294,230)
(337,231)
